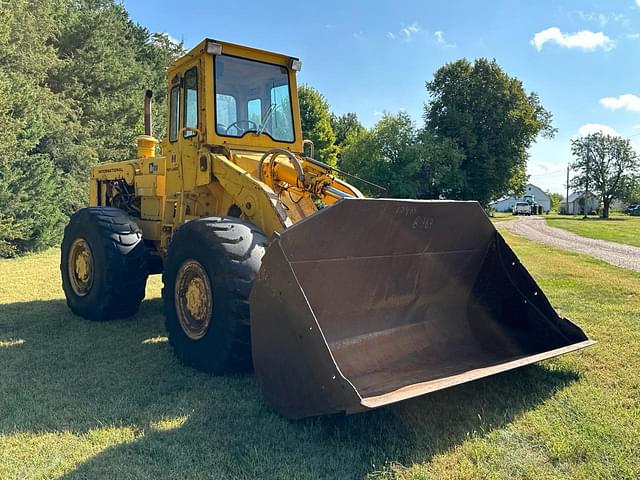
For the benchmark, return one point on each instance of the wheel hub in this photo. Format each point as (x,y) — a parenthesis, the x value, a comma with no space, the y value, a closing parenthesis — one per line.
(193,299)
(196,299)
(80,267)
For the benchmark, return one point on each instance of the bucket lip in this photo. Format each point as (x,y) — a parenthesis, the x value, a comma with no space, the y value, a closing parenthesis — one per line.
(417,389)
(379,200)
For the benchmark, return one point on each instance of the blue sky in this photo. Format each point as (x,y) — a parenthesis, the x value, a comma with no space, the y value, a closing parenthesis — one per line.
(581,57)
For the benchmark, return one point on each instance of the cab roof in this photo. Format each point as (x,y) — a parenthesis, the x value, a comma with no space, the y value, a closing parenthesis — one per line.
(235,50)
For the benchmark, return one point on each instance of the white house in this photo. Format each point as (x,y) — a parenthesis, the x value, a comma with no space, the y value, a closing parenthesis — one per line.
(506,204)
(577,202)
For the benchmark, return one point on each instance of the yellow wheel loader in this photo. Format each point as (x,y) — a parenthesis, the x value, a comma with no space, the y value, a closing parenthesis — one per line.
(269,260)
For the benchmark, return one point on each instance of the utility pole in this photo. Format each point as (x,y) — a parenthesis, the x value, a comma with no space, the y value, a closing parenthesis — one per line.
(567,197)
(586,193)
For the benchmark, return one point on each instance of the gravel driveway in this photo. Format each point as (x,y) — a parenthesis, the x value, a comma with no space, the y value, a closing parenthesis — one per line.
(536,229)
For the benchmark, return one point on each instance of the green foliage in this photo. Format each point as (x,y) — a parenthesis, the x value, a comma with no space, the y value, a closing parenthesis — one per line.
(493,121)
(409,163)
(606,166)
(72,79)
(386,155)
(345,127)
(316,124)
(632,192)
(556,199)
(441,162)
(30,213)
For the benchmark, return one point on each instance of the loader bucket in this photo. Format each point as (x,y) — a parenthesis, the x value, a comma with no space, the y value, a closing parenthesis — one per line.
(373,301)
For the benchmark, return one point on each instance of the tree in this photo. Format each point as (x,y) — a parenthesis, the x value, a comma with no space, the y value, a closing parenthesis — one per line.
(491,119)
(631,194)
(409,163)
(555,200)
(441,159)
(606,165)
(345,126)
(385,155)
(316,124)
(31,216)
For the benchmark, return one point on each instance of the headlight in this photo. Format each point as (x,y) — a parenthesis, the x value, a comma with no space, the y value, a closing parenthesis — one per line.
(214,48)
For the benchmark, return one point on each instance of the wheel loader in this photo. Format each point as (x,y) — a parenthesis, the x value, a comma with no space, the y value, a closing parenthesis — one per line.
(271,261)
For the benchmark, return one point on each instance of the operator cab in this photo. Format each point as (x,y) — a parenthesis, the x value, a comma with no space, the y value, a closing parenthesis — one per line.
(236,96)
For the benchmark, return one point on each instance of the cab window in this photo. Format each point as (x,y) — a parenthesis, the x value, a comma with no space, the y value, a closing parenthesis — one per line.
(261,99)
(254,109)
(174,113)
(190,101)
(226,112)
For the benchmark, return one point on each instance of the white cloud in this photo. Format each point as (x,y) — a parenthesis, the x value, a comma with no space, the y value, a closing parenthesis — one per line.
(410,30)
(590,128)
(636,127)
(586,39)
(358,35)
(638,2)
(627,101)
(440,40)
(633,36)
(406,33)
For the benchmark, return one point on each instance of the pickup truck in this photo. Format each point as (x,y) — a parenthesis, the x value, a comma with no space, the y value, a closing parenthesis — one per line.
(521,208)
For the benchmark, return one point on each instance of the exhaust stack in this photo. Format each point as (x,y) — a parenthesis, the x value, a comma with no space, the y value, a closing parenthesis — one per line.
(148,95)
(147,143)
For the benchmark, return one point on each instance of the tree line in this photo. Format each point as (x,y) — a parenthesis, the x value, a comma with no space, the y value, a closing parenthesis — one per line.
(478,126)
(72,74)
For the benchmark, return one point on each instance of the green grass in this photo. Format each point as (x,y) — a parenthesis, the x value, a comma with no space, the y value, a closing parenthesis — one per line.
(619,228)
(108,400)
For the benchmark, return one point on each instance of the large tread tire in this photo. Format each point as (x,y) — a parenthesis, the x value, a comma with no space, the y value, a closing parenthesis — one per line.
(230,252)
(120,268)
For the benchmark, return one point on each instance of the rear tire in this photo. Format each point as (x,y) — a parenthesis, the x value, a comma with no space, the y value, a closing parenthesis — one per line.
(208,276)
(103,264)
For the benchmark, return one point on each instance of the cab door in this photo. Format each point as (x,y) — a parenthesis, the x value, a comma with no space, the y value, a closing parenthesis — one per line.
(190,135)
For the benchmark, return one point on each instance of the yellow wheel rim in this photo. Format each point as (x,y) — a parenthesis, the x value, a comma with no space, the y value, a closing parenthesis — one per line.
(80,267)
(193,299)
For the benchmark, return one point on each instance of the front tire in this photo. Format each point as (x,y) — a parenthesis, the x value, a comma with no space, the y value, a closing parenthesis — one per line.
(103,264)
(208,276)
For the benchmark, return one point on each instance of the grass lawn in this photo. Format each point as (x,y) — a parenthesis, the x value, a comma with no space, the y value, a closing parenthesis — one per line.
(619,228)
(108,400)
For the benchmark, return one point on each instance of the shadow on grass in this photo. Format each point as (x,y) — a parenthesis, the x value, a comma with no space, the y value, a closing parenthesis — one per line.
(72,375)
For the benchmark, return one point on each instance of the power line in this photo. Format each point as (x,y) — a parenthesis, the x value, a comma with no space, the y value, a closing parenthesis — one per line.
(554,172)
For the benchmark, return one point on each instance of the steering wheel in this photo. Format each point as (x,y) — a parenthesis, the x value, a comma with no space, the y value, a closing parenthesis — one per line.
(250,125)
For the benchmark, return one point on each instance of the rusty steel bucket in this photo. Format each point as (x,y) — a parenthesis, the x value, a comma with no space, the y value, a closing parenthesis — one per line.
(373,301)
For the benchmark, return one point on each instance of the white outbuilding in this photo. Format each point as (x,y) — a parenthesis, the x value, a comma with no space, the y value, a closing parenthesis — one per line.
(506,204)
(577,202)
